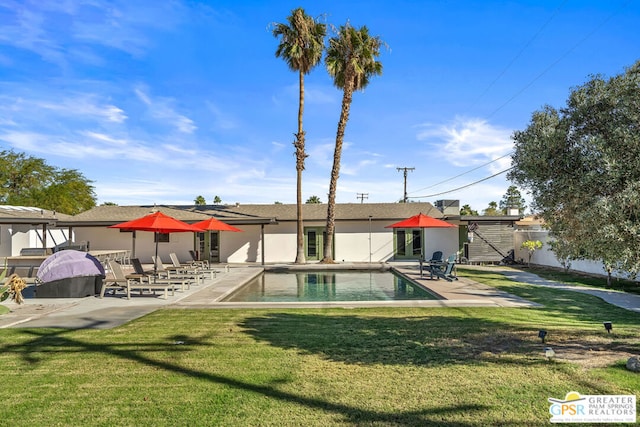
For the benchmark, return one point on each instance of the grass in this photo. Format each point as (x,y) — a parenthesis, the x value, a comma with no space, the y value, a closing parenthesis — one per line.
(584,279)
(319,367)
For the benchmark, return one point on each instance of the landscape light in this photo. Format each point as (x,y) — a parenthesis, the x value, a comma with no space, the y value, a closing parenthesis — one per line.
(608,326)
(541,334)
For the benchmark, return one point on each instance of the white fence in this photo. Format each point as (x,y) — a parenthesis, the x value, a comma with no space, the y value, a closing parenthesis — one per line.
(545,256)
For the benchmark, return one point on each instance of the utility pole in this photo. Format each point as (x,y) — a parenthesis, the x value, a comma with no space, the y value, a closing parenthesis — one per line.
(405,181)
(362,196)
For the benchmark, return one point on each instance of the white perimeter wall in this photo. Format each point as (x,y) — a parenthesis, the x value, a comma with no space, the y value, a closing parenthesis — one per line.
(545,256)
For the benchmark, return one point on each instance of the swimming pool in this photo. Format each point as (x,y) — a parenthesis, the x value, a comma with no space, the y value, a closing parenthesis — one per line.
(329,286)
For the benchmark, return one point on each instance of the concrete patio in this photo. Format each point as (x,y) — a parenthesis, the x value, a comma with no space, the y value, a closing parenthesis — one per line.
(111,311)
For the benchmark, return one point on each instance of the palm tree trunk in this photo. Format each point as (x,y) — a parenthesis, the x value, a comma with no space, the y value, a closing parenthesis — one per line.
(335,172)
(300,156)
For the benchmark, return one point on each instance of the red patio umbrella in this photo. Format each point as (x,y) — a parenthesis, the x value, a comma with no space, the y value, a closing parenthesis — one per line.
(421,221)
(214,224)
(157,222)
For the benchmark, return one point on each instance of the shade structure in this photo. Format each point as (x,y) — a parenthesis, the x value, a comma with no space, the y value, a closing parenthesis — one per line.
(213,224)
(157,222)
(421,221)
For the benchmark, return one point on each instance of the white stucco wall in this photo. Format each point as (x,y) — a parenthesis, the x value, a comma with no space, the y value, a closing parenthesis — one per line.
(241,247)
(545,256)
(440,239)
(351,242)
(103,238)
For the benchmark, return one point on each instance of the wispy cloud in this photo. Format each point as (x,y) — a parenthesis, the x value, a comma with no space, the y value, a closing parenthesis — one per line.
(23,108)
(221,119)
(161,109)
(62,32)
(468,141)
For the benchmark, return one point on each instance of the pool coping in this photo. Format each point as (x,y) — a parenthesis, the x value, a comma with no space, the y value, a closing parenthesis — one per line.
(459,293)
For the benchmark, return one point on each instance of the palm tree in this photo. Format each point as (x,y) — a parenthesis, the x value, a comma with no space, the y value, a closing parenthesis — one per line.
(301,46)
(351,61)
(313,200)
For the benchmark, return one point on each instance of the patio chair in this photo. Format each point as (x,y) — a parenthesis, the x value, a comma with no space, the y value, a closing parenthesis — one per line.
(436,257)
(127,282)
(191,267)
(435,261)
(445,271)
(117,282)
(171,271)
(159,278)
(198,262)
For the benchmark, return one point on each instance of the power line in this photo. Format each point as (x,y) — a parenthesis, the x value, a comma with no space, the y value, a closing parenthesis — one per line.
(588,35)
(502,73)
(464,173)
(463,187)
(553,64)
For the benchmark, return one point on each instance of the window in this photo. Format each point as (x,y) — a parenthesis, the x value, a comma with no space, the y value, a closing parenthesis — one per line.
(161,238)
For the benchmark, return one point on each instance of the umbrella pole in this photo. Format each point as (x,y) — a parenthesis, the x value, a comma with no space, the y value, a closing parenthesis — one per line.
(155,261)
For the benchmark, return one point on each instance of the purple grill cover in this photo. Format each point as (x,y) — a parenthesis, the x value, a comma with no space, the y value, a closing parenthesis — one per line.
(69,263)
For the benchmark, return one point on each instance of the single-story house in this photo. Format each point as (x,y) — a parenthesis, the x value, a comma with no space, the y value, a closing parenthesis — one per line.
(269,232)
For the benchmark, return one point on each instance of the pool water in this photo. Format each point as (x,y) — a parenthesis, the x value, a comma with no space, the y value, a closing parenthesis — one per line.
(330,286)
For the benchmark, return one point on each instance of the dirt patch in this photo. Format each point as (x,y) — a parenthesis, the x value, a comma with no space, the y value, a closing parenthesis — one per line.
(591,354)
(589,351)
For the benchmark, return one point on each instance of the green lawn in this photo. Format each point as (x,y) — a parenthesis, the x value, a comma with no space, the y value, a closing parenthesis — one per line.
(574,278)
(317,367)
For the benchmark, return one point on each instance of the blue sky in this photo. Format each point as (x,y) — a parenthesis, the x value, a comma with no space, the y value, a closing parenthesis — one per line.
(161,101)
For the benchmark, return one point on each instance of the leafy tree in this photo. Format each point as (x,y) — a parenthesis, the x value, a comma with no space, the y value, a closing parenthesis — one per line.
(217,200)
(351,61)
(313,200)
(531,246)
(512,200)
(277,203)
(582,166)
(466,210)
(200,201)
(492,210)
(109,204)
(30,181)
(301,46)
